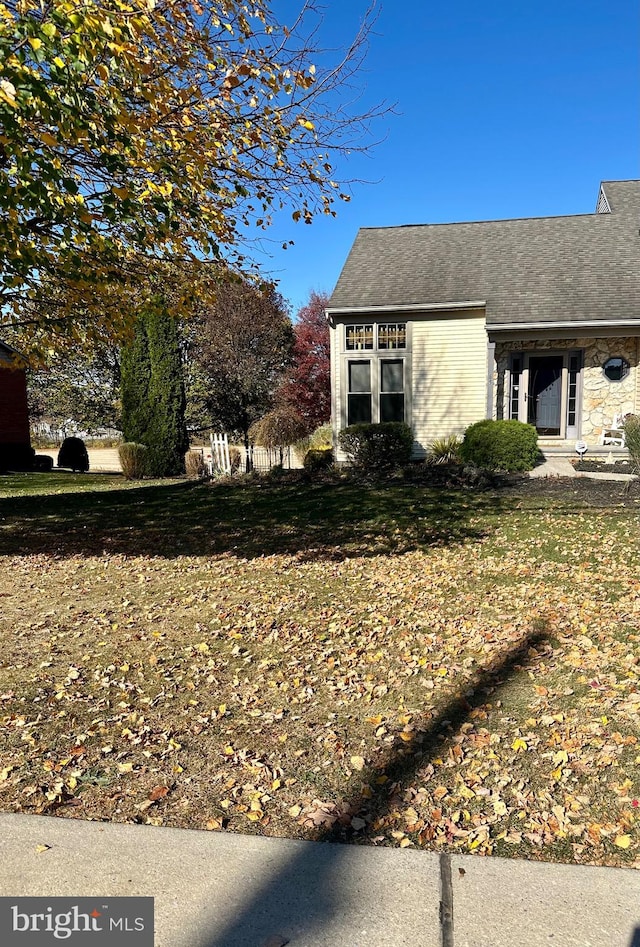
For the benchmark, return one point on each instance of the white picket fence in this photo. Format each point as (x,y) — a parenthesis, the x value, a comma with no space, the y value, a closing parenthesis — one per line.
(219,461)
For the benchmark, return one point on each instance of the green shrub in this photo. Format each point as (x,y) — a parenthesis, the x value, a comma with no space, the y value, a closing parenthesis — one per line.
(42,463)
(16,457)
(632,440)
(445,450)
(133,460)
(377,446)
(73,454)
(500,445)
(318,459)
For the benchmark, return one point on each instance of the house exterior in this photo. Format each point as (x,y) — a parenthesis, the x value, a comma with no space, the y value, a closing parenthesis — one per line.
(15,448)
(532,319)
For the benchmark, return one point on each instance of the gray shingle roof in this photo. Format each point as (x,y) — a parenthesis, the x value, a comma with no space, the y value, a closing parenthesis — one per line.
(532,270)
(7,353)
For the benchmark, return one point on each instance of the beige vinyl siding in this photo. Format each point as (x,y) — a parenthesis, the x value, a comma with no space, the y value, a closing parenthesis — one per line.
(636,368)
(449,375)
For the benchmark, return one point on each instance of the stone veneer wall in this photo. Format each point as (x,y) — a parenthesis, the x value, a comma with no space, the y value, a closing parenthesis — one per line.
(601,398)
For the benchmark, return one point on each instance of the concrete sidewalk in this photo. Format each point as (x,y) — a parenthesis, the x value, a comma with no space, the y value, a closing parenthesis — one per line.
(214,889)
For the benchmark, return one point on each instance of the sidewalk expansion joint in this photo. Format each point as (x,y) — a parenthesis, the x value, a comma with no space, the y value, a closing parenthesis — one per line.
(446,902)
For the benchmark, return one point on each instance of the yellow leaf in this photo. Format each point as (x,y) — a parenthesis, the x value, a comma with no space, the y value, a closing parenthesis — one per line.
(357,762)
(42,848)
(295,811)
(125,767)
(35,43)
(48,139)
(307,124)
(622,841)
(519,744)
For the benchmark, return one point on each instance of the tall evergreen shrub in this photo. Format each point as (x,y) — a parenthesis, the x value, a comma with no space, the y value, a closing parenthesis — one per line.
(153,397)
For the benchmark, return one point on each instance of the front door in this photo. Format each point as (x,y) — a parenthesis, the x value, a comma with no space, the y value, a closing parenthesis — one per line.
(544,394)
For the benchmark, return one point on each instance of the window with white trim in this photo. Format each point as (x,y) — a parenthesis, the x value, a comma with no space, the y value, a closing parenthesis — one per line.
(391,389)
(359,393)
(377,384)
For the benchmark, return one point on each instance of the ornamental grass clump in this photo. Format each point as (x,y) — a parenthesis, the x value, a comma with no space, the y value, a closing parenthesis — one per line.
(500,445)
(133,460)
(445,450)
(194,465)
(631,429)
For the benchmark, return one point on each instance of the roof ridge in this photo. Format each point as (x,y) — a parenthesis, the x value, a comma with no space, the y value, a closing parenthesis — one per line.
(496,220)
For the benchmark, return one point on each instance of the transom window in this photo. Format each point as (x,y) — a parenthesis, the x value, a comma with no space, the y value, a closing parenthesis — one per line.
(392,335)
(359,338)
(384,335)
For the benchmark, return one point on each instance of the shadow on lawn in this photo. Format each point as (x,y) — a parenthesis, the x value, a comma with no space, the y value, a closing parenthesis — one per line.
(325,520)
(315,886)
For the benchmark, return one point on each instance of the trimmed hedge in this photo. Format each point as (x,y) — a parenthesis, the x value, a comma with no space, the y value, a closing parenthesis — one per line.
(16,457)
(73,454)
(500,445)
(377,446)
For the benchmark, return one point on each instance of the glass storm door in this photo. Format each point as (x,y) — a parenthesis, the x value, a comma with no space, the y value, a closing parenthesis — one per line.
(544,394)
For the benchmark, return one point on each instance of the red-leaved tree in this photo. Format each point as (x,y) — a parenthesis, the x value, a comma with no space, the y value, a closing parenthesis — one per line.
(308,386)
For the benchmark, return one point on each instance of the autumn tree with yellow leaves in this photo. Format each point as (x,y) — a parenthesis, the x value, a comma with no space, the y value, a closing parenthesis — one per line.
(141,137)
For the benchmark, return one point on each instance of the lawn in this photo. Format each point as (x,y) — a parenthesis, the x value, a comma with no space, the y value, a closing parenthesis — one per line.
(390,663)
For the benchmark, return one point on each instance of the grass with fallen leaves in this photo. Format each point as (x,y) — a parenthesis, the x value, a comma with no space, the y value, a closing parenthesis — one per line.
(385,663)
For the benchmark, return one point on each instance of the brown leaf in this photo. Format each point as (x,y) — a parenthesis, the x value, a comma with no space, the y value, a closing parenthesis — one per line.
(158,793)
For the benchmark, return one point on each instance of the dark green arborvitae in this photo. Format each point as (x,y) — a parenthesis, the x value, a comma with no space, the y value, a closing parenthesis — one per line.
(135,378)
(153,398)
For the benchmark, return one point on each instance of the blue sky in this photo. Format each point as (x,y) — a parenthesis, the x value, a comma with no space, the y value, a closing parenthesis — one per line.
(502,109)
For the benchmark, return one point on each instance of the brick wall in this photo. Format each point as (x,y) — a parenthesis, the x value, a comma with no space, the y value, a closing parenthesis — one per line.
(14,415)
